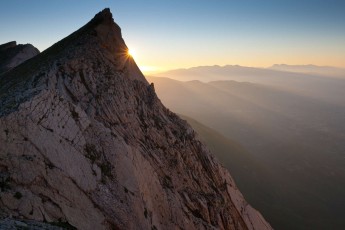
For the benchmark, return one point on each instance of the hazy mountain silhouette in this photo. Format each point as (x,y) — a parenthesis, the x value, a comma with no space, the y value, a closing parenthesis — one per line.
(327,71)
(330,89)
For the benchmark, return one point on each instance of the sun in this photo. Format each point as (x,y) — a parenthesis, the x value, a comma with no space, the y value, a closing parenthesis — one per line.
(130,52)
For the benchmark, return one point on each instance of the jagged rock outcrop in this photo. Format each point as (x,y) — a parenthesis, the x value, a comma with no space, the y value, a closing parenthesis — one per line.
(12,55)
(84,140)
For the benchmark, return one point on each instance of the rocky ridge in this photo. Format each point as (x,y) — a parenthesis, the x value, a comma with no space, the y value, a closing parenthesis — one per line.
(11,55)
(84,140)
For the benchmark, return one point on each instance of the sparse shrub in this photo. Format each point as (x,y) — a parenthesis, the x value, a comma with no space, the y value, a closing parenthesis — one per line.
(91,152)
(197,213)
(98,158)
(75,115)
(145,213)
(4,184)
(106,169)
(167,182)
(50,165)
(18,195)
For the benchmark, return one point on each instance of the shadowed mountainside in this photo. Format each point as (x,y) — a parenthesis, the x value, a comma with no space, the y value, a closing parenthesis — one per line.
(247,171)
(297,138)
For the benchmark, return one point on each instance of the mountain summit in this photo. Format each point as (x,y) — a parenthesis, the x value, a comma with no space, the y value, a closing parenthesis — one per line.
(84,141)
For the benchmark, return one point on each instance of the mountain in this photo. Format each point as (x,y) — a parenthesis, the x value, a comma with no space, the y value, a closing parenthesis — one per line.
(311,69)
(328,89)
(232,154)
(85,142)
(216,73)
(250,175)
(296,139)
(12,55)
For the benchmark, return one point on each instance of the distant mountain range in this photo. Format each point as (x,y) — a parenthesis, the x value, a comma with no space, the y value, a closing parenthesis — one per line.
(329,89)
(242,73)
(311,69)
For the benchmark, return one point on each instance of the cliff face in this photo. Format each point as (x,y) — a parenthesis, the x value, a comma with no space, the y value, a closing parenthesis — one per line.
(85,140)
(12,55)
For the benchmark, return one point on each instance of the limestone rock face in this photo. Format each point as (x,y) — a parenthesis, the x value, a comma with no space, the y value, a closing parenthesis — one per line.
(12,55)
(84,140)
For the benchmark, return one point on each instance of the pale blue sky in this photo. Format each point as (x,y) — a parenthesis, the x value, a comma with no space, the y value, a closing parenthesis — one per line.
(169,34)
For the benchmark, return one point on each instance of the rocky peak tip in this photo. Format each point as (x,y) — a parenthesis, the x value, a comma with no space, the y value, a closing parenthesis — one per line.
(104,16)
(106,12)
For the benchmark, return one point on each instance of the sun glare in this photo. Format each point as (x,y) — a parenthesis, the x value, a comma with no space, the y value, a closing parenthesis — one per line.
(131,53)
(149,69)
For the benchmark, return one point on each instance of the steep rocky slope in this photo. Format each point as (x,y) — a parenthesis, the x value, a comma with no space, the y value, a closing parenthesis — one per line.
(12,55)
(85,141)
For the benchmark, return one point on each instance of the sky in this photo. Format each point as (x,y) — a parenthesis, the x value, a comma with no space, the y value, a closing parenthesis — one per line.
(171,34)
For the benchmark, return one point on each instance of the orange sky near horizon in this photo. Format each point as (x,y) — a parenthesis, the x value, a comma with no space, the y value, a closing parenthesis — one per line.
(156,64)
